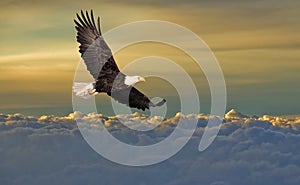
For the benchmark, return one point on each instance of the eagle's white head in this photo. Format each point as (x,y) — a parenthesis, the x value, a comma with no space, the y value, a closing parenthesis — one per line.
(131,80)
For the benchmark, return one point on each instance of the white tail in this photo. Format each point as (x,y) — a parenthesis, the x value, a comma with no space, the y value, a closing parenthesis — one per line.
(84,90)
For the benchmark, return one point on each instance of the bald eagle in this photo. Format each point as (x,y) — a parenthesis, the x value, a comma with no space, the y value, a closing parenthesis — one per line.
(100,63)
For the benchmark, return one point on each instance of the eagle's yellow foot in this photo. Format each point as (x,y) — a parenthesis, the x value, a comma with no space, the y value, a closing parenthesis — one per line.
(92,91)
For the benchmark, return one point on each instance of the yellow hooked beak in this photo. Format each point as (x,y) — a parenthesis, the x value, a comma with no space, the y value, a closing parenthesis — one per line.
(142,79)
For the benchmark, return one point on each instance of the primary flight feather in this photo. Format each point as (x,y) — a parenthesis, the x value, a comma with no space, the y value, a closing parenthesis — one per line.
(101,64)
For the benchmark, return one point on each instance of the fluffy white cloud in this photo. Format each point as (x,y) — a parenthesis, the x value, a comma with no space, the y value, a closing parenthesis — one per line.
(248,150)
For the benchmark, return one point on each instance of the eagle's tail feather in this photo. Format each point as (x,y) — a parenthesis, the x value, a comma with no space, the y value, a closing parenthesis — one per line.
(157,104)
(84,90)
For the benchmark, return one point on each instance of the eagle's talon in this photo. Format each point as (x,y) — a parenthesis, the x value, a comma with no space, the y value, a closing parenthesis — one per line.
(91,91)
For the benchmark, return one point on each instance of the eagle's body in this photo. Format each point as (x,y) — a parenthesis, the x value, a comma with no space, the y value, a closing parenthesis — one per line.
(102,66)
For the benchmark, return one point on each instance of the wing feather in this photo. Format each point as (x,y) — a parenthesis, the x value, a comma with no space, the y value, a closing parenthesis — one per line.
(98,22)
(131,97)
(94,50)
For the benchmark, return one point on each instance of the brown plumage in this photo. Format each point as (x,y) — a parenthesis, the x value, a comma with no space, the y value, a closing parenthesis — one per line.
(102,66)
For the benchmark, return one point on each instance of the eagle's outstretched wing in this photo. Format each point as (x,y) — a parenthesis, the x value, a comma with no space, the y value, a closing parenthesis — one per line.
(94,51)
(102,66)
(133,98)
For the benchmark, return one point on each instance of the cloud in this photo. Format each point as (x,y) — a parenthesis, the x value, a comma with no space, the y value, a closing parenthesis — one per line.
(248,150)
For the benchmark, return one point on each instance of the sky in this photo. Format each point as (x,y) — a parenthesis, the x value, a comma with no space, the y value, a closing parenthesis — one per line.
(256,43)
(257,47)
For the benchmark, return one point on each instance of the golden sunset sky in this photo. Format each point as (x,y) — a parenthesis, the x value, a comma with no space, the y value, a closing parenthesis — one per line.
(256,43)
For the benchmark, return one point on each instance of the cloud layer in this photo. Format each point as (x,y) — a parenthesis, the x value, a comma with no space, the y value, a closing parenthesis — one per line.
(248,150)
